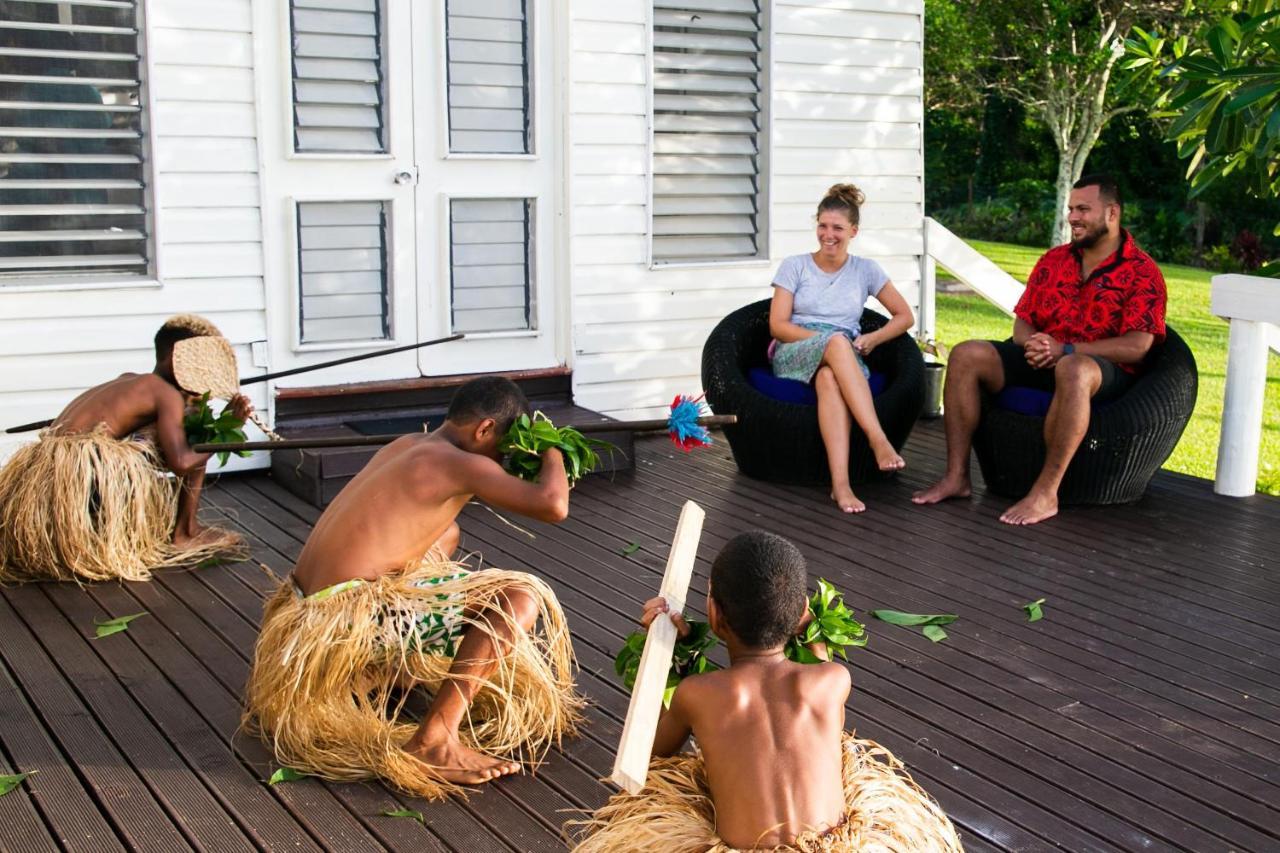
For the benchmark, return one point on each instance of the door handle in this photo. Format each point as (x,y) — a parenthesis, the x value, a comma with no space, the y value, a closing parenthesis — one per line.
(403,177)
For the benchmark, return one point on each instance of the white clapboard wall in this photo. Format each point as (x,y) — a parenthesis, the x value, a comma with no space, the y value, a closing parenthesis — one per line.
(845,104)
(57,341)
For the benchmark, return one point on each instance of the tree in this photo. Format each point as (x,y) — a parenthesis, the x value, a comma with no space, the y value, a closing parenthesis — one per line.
(1060,60)
(1221,91)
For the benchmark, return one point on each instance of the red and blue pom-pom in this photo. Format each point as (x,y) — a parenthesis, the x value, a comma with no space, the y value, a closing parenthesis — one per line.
(683,425)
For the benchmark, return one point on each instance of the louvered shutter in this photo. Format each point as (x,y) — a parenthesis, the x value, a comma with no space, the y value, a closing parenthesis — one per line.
(707,122)
(342,260)
(72,187)
(487,44)
(490,259)
(338,76)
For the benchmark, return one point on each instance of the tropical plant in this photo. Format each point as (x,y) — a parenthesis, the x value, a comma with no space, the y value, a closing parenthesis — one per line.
(1220,91)
(202,427)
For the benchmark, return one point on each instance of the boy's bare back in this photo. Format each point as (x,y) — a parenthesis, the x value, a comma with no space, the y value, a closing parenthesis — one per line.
(126,404)
(770,734)
(406,499)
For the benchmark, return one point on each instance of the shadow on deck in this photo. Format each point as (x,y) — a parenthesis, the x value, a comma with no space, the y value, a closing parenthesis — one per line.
(1143,711)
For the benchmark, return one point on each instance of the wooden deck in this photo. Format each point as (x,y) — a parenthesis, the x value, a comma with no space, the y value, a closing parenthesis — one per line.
(1142,713)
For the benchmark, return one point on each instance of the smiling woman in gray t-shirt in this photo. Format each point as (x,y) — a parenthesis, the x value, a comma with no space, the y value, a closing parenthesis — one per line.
(814,318)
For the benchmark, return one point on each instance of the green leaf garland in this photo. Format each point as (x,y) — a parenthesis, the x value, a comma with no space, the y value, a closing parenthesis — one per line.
(832,624)
(689,657)
(529,437)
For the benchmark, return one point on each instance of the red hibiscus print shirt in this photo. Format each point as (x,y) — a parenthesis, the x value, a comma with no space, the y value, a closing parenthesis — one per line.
(1124,293)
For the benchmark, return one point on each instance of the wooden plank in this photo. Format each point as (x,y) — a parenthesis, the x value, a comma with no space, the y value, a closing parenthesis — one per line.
(636,747)
(113,783)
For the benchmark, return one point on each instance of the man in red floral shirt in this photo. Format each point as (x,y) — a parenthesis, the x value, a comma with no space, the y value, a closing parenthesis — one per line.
(1091,311)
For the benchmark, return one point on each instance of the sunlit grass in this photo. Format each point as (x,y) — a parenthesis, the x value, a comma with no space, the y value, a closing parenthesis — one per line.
(965,316)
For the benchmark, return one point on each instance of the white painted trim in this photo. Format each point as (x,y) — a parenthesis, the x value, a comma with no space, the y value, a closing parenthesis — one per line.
(561,78)
(649,178)
(971,267)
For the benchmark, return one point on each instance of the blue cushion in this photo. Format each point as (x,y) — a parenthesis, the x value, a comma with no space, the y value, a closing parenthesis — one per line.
(795,391)
(1033,401)
(1024,401)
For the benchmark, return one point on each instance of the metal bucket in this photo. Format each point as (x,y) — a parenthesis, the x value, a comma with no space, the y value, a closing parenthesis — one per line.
(933,376)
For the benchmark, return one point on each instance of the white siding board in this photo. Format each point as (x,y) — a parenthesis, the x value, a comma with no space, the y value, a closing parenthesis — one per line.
(591,67)
(622,37)
(609,219)
(913,7)
(212,225)
(195,83)
(195,47)
(92,334)
(888,108)
(809,188)
(191,154)
(213,260)
(609,189)
(193,189)
(848,80)
(853,162)
(607,100)
(589,129)
(224,15)
(615,10)
(609,159)
(794,133)
(836,23)
(181,118)
(819,50)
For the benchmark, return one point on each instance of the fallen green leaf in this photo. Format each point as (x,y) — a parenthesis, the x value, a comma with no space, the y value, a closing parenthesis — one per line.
(1034,612)
(418,816)
(897,617)
(629,549)
(8,783)
(832,624)
(286,774)
(934,633)
(114,626)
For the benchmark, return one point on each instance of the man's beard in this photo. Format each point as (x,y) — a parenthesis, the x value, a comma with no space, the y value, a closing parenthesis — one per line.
(1090,237)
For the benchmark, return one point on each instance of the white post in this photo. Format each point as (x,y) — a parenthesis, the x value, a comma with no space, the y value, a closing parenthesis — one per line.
(1242,409)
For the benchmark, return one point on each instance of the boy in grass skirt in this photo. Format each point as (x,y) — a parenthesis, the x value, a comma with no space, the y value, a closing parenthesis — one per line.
(375,606)
(774,767)
(89,500)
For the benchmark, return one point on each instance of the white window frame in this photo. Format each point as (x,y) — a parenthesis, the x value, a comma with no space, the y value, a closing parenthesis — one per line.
(764,227)
(445,269)
(533,57)
(152,279)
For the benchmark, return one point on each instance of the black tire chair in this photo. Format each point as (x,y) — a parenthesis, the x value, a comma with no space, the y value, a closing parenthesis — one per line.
(779,441)
(1127,442)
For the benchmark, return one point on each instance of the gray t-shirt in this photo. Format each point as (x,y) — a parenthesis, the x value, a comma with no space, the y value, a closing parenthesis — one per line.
(830,297)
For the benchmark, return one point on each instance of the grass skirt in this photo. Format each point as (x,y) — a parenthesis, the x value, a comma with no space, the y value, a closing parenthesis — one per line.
(88,507)
(886,811)
(326,688)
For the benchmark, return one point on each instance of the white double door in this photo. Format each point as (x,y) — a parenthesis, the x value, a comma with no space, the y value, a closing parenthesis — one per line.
(452,219)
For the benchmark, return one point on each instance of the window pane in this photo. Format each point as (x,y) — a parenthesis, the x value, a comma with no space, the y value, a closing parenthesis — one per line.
(342,259)
(707,140)
(72,191)
(488,50)
(490,260)
(338,76)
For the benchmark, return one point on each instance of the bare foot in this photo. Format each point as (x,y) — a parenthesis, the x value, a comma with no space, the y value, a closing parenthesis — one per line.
(947,487)
(460,765)
(887,459)
(202,537)
(1032,509)
(846,499)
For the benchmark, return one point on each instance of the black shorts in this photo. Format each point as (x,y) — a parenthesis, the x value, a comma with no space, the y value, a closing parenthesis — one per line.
(1017,372)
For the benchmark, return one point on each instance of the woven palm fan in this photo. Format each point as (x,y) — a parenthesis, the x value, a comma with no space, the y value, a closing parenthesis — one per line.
(208,364)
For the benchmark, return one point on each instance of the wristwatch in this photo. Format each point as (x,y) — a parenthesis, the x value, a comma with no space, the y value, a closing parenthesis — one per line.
(1068,349)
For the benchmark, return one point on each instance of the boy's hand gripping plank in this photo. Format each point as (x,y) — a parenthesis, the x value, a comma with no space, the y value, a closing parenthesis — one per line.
(631,766)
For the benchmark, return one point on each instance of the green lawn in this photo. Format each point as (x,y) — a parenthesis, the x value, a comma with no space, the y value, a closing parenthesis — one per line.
(964,316)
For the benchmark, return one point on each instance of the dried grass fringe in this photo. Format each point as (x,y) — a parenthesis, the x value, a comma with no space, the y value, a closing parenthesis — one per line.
(89,507)
(324,688)
(886,811)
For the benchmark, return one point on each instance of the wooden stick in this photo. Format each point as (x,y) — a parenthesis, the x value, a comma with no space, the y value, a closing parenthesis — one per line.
(654,425)
(266,377)
(631,767)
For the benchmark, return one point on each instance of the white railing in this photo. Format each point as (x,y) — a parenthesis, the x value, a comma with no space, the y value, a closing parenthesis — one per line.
(969,266)
(1251,305)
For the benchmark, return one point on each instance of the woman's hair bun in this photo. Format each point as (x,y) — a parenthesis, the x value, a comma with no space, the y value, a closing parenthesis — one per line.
(843,197)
